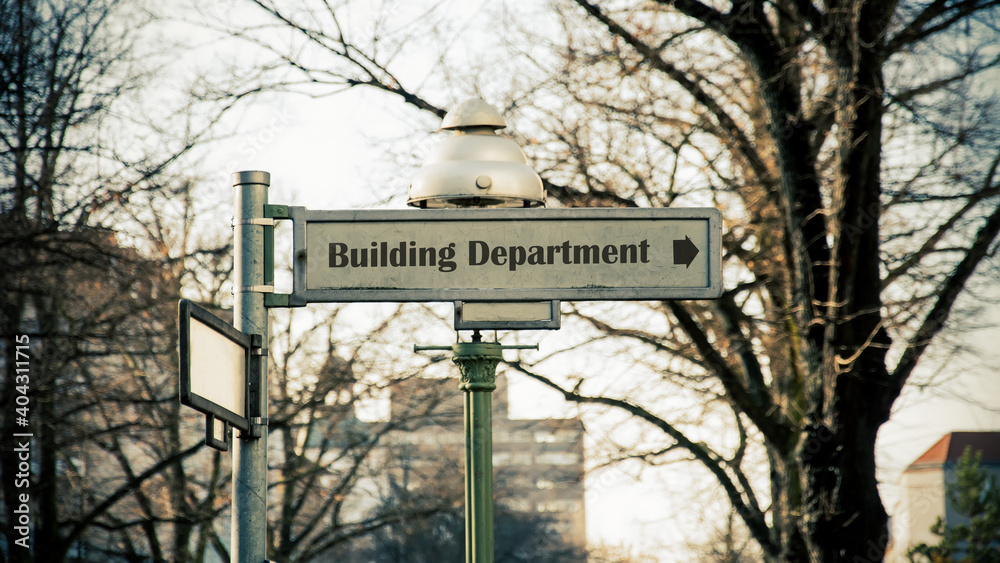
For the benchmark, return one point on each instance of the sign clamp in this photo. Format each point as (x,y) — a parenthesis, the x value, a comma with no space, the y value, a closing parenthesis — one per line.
(272,214)
(210,439)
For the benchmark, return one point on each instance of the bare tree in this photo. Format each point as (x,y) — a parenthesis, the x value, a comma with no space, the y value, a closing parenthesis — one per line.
(852,149)
(91,268)
(729,543)
(331,477)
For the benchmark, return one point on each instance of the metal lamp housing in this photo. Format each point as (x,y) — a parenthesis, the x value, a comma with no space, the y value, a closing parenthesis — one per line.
(475,167)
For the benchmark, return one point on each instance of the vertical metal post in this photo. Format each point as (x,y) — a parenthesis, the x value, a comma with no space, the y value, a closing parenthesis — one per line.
(477,362)
(249,519)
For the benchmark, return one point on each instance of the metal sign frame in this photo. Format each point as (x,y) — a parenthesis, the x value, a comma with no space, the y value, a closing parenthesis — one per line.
(301,217)
(187,311)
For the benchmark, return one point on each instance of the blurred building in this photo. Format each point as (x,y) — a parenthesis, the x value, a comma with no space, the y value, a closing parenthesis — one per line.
(538,463)
(923,489)
(416,462)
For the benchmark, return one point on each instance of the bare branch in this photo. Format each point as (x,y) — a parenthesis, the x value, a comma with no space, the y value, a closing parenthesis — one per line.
(738,496)
(936,17)
(947,295)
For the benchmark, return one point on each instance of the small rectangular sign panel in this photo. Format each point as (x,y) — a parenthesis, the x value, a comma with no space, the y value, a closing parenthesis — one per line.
(214,360)
(500,255)
(507,315)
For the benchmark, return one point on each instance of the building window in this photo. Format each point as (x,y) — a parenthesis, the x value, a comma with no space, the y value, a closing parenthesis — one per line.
(568,436)
(558,458)
(558,506)
(544,437)
(520,436)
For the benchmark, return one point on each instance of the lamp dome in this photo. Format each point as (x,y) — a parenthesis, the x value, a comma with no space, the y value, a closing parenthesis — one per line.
(475,167)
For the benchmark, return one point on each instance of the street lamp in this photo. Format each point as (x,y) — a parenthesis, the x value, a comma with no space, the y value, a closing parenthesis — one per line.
(476,168)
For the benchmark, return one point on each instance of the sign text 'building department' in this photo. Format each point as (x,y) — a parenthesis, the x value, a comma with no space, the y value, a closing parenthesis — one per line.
(522,254)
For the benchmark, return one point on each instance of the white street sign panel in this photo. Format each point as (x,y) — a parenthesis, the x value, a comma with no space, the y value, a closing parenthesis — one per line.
(214,361)
(497,255)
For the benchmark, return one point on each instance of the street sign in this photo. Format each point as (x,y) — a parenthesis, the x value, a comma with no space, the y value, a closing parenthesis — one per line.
(214,366)
(506,255)
(507,315)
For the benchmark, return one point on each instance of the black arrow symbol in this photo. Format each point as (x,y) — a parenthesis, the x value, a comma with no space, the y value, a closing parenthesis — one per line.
(684,251)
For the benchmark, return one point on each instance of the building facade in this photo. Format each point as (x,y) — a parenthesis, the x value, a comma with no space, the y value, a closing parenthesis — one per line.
(538,463)
(416,463)
(923,489)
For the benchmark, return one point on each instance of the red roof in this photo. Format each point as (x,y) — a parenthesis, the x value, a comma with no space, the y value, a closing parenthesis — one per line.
(952,445)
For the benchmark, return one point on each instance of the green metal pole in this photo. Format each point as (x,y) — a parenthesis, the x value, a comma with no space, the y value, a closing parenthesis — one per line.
(477,361)
(249,518)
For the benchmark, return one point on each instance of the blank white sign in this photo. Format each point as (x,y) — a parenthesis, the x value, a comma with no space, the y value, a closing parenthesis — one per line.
(507,311)
(218,368)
